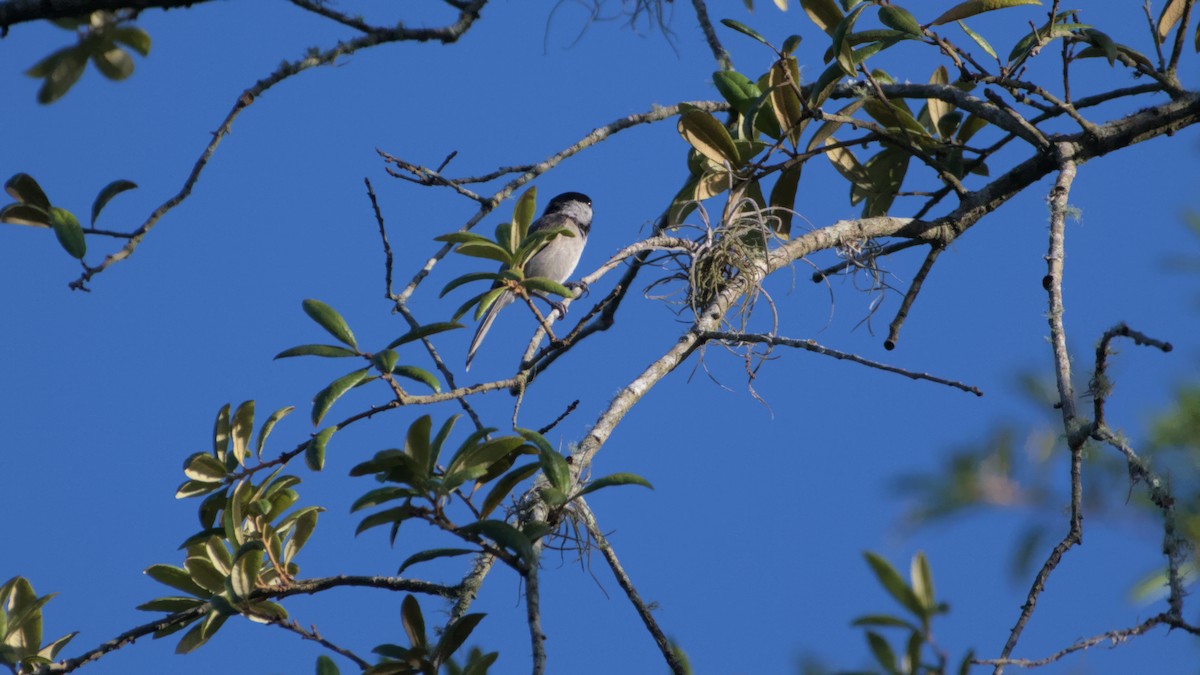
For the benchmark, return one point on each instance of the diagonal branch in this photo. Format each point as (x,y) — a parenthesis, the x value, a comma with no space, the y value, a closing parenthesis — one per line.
(660,638)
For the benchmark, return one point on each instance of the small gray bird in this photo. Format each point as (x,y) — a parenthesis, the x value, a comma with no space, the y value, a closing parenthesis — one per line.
(556,260)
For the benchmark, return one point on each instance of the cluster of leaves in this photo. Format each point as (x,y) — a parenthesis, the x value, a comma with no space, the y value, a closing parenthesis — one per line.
(416,476)
(100,35)
(248,540)
(772,112)
(423,657)
(512,247)
(919,654)
(385,364)
(21,649)
(33,208)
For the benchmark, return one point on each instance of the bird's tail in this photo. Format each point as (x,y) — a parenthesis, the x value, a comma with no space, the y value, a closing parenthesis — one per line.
(486,324)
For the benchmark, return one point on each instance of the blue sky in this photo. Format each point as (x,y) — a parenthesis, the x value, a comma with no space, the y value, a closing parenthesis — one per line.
(751,542)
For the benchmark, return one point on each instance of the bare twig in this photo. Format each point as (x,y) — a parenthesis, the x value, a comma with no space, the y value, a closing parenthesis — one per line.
(1113,637)
(387,248)
(911,296)
(812,346)
(312,634)
(635,598)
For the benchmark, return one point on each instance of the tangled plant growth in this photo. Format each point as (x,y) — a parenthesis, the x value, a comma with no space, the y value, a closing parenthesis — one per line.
(970,135)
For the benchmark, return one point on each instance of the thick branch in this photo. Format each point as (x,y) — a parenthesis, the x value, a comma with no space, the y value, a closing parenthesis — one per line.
(20,11)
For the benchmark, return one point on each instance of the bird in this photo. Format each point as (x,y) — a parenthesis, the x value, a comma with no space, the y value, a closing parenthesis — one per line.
(556,260)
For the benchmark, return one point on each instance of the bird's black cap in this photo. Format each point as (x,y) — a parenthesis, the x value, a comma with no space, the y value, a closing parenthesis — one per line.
(556,203)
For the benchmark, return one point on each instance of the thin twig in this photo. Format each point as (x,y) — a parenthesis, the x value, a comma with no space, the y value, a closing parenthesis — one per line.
(313,635)
(1113,637)
(911,296)
(387,248)
(635,598)
(813,346)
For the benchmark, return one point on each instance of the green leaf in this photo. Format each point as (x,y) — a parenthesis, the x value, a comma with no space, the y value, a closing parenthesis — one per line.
(177,578)
(314,452)
(201,633)
(487,301)
(24,214)
(170,604)
(505,485)
(69,232)
(486,250)
(382,496)
(557,471)
(430,329)
(892,582)
(392,516)
(244,576)
(973,7)
(204,468)
(328,351)
(615,479)
(744,30)
(708,136)
(23,188)
(432,554)
(329,395)
(548,286)
(503,534)
(268,426)
(414,623)
(922,580)
(305,525)
(480,461)
(205,573)
(417,445)
(241,429)
(132,36)
(1040,38)
(111,190)
(114,63)
(326,666)
(884,620)
(899,18)
(841,48)
(455,635)
(882,651)
(783,198)
(825,13)
(737,89)
(65,70)
(221,433)
(385,360)
(784,79)
(331,321)
(979,40)
(466,279)
(1103,42)
(419,375)
(523,214)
